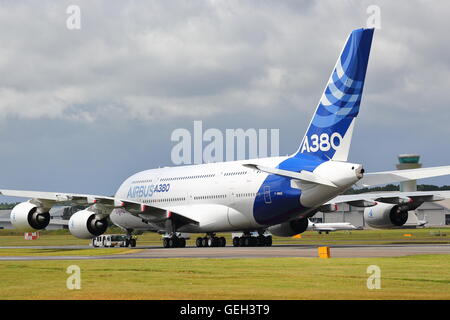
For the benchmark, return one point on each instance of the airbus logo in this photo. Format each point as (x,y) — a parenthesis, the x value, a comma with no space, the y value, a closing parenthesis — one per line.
(147,191)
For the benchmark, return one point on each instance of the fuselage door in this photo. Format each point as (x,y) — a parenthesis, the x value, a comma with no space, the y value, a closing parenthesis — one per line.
(267,198)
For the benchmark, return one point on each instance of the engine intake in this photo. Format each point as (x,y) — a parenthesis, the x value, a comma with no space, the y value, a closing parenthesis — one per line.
(84,225)
(28,216)
(385,216)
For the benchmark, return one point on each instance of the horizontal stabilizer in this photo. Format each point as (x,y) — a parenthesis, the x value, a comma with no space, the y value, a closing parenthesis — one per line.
(304,176)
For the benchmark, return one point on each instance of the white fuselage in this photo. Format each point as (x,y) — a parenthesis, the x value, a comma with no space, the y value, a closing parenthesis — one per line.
(220,196)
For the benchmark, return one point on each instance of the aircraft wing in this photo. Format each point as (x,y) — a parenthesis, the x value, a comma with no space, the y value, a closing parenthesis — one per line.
(56,197)
(103,203)
(385,177)
(413,199)
(371,199)
(49,199)
(59,222)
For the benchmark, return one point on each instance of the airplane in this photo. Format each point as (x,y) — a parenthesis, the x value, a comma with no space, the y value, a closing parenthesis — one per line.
(414,221)
(257,197)
(329,227)
(422,223)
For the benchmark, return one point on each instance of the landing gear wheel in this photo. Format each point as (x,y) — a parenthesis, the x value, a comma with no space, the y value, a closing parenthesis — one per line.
(199,242)
(132,243)
(236,242)
(268,241)
(166,243)
(260,241)
(182,243)
(173,242)
(222,242)
(213,242)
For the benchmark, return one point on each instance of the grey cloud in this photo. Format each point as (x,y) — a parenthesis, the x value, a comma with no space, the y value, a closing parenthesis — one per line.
(136,70)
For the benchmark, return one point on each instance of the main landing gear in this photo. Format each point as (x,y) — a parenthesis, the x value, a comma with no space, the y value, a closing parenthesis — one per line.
(251,240)
(210,241)
(174,241)
(243,239)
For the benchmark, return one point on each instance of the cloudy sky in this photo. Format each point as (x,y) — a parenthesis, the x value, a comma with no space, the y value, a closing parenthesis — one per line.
(80,110)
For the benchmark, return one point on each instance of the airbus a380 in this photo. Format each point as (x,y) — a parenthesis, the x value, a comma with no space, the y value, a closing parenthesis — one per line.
(262,196)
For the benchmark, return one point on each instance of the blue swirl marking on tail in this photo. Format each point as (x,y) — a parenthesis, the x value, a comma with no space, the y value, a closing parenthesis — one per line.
(341,99)
(337,109)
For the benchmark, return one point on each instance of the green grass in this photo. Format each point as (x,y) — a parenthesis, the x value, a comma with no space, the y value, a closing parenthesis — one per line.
(410,277)
(63,252)
(47,238)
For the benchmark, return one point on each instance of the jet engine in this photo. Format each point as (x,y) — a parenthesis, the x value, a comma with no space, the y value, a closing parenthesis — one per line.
(85,225)
(386,216)
(27,216)
(290,228)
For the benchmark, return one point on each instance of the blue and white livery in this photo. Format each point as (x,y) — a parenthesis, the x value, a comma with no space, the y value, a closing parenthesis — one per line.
(258,197)
(332,124)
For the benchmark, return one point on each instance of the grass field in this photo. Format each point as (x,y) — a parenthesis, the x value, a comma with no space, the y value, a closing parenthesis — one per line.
(412,277)
(64,252)
(409,277)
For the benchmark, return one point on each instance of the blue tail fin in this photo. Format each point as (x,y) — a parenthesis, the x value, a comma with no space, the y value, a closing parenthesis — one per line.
(330,131)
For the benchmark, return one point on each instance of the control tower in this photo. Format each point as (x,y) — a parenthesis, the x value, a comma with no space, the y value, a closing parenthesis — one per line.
(408,161)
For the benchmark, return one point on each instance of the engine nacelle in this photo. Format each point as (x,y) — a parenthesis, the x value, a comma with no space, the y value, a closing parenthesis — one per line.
(290,228)
(27,216)
(84,225)
(386,216)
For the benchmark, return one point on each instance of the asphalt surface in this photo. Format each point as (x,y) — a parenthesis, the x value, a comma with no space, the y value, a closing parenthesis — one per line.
(338,251)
